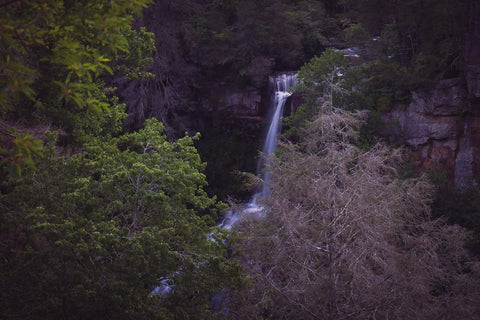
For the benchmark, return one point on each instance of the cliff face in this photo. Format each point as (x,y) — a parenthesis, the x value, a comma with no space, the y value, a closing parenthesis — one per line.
(443,123)
(184,91)
(434,124)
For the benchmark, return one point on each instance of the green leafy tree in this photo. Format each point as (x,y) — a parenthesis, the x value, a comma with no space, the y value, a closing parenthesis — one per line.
(356,35)
(71,40)
(138,58)
(321,81)
(91,236)
(54,56)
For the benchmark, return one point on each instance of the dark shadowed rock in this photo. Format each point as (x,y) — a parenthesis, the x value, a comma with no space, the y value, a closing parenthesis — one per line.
(443,123)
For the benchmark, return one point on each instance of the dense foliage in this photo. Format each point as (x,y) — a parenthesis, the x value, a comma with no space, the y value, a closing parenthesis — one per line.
(407,45)
(236,36)
(96,224)
(53,52)
(460,206)
(53,58)
(323,76)
(91,236)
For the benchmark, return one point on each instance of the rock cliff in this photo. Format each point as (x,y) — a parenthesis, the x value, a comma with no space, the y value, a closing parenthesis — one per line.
(443,123)
(434,125)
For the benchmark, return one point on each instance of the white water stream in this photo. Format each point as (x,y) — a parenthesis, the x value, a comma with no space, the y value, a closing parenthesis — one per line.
(280,85)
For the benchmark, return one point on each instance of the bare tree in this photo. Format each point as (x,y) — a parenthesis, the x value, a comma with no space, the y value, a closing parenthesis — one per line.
(345,238)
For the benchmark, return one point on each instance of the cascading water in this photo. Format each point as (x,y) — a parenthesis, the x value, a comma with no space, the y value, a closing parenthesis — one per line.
(280,84)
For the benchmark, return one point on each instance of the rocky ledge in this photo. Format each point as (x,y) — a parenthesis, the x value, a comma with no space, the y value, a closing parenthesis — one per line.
(443,125)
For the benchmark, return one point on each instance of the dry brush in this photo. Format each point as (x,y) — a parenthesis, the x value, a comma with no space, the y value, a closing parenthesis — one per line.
(345,237)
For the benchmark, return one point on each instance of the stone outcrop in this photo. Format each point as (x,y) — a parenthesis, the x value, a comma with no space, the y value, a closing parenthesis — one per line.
(239,102)
(432,124)
(443,125)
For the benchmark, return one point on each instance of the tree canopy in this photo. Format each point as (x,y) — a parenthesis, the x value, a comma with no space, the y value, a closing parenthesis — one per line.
(92,235)
(96,223)
(60,44)
(54,56)
(407,45)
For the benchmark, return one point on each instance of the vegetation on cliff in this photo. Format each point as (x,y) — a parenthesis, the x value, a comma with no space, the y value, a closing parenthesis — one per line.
(415,44)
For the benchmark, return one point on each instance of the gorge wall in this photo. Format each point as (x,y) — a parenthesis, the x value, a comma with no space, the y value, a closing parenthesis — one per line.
(443,123)
(443,126)
(190,92)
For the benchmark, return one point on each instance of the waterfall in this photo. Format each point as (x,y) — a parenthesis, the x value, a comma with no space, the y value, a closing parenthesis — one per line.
(280,85)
